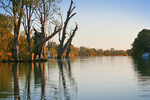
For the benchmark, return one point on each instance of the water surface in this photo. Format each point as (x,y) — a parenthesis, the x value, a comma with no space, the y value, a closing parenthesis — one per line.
(84,78)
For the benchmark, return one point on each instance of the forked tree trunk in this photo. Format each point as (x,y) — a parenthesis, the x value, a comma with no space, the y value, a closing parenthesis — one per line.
(69,41)
(62,46)
(67,44)
(17,24)
(39,42)
(68,51)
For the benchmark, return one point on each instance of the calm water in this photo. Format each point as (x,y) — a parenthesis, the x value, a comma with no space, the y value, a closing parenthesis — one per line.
(87,78)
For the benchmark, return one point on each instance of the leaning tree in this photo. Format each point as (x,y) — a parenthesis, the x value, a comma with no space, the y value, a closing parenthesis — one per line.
(72,34)
(39,42)
(62,37)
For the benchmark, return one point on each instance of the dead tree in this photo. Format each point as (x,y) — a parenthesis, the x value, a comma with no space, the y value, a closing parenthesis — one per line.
(39,42)
(69,44)
(68,50)
(62,46)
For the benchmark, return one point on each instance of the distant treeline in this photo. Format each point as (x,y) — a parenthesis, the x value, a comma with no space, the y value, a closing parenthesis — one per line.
(84,51)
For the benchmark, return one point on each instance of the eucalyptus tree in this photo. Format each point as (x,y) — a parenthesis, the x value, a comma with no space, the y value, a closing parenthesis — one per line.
(15,8)
(62,46)
(39,42)
(44,13)
(28,19)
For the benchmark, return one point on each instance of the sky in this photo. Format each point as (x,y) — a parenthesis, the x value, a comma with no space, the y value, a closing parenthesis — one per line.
(105,24)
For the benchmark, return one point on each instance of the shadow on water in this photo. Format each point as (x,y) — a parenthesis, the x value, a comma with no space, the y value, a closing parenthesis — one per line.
(142,68)
(28,81)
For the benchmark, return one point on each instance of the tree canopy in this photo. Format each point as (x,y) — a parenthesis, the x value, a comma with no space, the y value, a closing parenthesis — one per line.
(6,35)
(141,44)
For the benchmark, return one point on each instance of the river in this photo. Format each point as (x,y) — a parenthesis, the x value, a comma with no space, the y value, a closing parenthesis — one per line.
(83,78)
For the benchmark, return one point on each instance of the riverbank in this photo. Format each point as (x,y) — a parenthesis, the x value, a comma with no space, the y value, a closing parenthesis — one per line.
(7,57)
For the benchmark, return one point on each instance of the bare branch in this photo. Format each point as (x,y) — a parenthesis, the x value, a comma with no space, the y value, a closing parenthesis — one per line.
(59,36)
(72,9)
(71,37)
(70,6)
(52,35)
(6,7)
(72,15)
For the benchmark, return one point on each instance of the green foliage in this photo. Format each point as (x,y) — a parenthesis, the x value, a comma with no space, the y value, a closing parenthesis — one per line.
(99,52)
(141,44)
(23,47)
(74,50)
(6,37)
(52,46)
(83,51)
(129,52)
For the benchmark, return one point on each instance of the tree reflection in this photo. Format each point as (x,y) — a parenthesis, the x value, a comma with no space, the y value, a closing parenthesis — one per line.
(38,80)
(28,83)
(142,68)
(6,80)
(65,77)
(39,75)
(15,71)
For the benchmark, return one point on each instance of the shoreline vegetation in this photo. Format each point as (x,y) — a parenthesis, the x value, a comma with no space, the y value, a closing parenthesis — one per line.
(75,52)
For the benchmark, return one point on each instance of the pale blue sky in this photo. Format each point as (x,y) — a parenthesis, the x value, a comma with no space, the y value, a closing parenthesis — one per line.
(108,23)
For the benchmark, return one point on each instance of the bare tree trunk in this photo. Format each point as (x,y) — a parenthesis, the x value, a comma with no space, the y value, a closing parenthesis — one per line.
(28,38)
(43,36)
(15,49)
(39,42)
(29,47)
(68,51)
(17,24)
(67,43)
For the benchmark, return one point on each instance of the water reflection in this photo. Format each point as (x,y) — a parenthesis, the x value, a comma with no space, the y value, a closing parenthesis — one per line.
(6,80)
(40,81)
(15,72)
(27,81)
(142,68)
(67,80)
